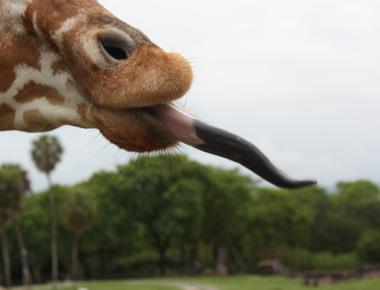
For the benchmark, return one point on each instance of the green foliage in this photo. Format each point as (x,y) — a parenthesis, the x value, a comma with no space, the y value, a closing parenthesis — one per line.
(361,191)
(167,206)
(160,198)
(226,200)
(46,153)
(34,222)
(324,262)
(13,185)
(169,213)
(284,217)
(78,210)
(369,246)
(353,209)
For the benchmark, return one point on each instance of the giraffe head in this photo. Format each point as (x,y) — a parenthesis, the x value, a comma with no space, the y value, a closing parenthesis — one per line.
(71,62)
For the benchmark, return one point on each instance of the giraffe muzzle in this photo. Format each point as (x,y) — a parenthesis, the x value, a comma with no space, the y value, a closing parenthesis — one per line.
(222,143)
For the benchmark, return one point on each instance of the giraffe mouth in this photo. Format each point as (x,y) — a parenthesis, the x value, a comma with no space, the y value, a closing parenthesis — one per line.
(184,128)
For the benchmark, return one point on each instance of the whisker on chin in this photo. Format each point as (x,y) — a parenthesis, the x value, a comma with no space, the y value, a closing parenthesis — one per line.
(106,147)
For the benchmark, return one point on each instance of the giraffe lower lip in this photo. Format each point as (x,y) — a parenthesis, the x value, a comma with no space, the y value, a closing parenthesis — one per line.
(219,142)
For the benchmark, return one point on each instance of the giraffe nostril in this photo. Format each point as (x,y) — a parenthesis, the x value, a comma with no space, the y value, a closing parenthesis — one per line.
(116,45)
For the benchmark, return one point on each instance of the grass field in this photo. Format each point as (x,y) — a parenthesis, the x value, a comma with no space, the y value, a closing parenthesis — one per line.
(234,283)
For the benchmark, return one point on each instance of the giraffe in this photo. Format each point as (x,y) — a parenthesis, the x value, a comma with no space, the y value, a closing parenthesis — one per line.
(71,62)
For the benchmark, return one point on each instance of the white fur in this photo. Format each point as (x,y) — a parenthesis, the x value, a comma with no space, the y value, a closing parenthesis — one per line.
(66,27)
(62,82)
(11,12)
(91,46)
(35,25)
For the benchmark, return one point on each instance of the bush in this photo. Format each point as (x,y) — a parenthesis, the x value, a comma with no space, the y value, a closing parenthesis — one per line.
(305,261)
(327,262)
(369,246)
(297,259)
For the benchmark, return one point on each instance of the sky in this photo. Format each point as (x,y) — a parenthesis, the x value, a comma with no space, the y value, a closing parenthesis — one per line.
(300,79)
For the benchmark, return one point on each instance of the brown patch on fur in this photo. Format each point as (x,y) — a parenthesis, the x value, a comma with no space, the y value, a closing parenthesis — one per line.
(61,121)
(33,91)
(6,79)
(7,117)
(34,119)
(58,67)
(82,110)
(16,52)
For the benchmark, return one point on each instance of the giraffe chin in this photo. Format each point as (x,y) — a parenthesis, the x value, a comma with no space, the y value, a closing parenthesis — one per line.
(133,130)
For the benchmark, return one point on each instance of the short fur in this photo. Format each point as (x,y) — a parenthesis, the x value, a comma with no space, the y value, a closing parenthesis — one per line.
(53,73)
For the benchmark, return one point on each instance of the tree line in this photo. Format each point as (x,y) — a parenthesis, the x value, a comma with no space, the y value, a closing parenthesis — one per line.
(172,215)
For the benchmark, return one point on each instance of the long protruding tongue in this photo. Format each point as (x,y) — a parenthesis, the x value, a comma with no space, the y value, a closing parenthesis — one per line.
(212,140)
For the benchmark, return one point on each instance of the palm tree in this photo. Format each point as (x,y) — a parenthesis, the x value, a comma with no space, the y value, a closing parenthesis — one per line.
(25,184)
(12,189)
(26,275)
(78,215)
(46,154)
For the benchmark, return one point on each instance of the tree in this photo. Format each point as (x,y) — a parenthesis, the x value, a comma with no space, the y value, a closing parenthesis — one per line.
(165,198)
(361,191)
(180,202)
(78,214)
(121,239)
(226,197)
(13,183)
(34,220)
(24,181)
(12,189)
(46,154)
(354,209)
(26,275)
(369,246)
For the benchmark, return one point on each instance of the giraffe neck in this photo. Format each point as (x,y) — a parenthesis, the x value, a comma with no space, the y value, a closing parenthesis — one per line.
(37,91)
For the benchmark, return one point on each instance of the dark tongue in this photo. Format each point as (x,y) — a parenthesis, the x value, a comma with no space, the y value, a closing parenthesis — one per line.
(219,142)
